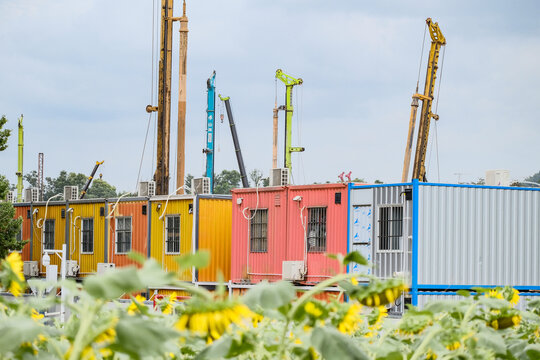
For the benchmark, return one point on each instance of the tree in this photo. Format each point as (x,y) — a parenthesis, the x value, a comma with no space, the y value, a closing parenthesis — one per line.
(358,180)
(256,175)
(101,189)
(31,178)
(4,134)
(4,187)
(226,181)
(378,182)
(534,178)
(9,228)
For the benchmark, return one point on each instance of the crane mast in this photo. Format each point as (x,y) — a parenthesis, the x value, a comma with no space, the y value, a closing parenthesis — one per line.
(237,149)
(289,82)
(210,128)
(90,178)
(419,171)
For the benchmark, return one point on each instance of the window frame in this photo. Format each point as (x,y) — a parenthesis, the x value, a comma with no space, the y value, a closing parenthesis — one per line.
(47,233)
(117,230)
(387,236)
(262,239)
(321,237)
(91,231)
(166,234)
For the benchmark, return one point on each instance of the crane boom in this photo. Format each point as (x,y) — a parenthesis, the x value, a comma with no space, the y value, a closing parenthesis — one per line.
(289,82)
(90,178)
(437,40)
(210,128)
(237,149)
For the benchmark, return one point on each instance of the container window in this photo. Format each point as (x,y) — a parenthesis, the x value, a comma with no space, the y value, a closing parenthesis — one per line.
(48,235)
(172,223)
(259,230)
(87,236)
(316,229)
(390,227)
(123,235)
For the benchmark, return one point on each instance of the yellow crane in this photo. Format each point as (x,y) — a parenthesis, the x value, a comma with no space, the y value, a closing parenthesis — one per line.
(419,170)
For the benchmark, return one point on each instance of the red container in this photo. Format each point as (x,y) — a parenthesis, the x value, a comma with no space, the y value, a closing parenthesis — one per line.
(22,211)
(290,210)
(137,211)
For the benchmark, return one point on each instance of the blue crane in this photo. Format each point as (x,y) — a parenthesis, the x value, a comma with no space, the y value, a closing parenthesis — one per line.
(210,128)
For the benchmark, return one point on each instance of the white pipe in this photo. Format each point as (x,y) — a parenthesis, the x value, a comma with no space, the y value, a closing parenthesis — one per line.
(41,227)
(167,202)
(114,206)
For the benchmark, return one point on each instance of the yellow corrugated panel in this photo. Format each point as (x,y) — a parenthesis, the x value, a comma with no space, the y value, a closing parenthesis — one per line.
(87,262)
(157,248)
(215,221)
(53,212)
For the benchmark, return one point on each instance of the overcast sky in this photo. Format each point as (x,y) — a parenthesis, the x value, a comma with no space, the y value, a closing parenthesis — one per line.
(81,73)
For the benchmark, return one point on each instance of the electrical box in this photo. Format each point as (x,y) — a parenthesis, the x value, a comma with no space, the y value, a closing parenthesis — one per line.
(200,185)
(31,194)
(293,270)
(72,268)
(279,177)
(30,269)
(71,193)
(147,188)
(104,267)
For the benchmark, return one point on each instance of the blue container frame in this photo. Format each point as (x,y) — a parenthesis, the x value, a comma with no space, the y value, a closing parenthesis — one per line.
(415,288)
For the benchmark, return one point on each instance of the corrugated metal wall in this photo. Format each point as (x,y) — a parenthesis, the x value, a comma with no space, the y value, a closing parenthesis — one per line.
(319,266)
(256,266)
(478,236)
(424,299)
(176,206)
(87,210)
(139,227)
(214,234)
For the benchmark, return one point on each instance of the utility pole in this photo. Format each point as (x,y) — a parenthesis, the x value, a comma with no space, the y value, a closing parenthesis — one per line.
(181,144)
(20,162)
(161,176)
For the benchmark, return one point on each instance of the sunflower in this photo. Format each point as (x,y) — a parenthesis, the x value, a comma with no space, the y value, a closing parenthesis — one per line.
(379,293)
(135,303)
(168,308)
(349,324)
(494,294)
(13,266)
(210,321)
(36,316)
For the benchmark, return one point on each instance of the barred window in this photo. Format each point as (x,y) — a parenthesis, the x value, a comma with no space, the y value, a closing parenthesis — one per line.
(390,227)
(87,236)
(259,230)
(123,235)
(173,234)
(316,229)
(48,235)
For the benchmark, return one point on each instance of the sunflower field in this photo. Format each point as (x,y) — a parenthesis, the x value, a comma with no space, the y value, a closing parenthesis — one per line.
(270,321)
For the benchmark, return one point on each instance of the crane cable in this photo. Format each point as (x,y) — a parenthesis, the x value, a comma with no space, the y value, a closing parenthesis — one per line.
(421,58)
(151,93)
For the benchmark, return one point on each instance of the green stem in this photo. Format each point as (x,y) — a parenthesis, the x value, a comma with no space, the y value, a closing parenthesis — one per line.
(202,292)
(420,350)
(316,289)
(283,336)
(468,315)
(86,321)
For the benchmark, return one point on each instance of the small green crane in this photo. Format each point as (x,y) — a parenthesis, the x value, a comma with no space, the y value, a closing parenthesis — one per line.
(289,82)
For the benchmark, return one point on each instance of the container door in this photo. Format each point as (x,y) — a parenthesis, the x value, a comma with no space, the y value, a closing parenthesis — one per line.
(361,235)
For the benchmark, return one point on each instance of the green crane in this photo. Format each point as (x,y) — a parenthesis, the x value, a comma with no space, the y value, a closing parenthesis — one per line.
(19,172)
(289,82)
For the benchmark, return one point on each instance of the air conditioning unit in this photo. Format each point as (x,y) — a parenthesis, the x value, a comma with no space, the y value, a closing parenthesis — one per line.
(293,270)
(72,268)
(200,185)
(71,193)
(11,197)
(31,194)
(104,267)
(147,188)
(30,269)
(279,177)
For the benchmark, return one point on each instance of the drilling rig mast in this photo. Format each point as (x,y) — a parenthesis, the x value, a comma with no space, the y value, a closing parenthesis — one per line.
(289,82)
(419,170)
(20,162)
